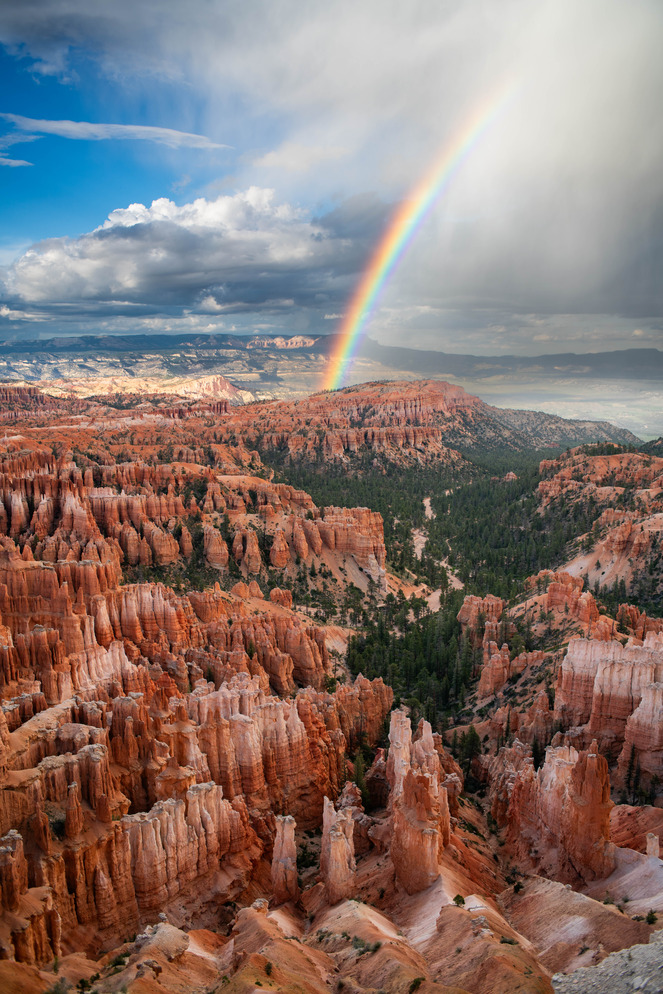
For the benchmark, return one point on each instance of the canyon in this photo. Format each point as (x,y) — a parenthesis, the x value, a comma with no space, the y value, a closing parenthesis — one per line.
(197,791)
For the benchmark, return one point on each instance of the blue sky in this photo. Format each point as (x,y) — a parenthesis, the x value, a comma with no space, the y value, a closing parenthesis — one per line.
(72,185)
(291,132)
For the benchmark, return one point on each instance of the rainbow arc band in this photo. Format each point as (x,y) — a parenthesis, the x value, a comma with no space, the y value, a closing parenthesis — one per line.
(404,224)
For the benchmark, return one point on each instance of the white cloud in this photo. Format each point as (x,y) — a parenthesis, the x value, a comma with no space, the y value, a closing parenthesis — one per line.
(87,131)
(16,315)
(209,305)
(246,252)
(6,141)
(6,161)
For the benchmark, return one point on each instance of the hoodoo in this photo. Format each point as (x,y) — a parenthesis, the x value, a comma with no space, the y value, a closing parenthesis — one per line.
(249,739)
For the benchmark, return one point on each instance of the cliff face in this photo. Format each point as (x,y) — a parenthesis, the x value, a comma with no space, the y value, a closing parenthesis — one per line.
(557,819)
(611,692)
(406,423)
(337,853)
(419,804)
(399,422)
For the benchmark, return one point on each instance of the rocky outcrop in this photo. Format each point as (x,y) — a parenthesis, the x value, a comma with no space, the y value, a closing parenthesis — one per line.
(416,839)
(299,543)
(351,800)
(563,593)
(246,551)
(356,532)
(631,825)
(604,686)
(337,854)
(214,547)
(284,861)
(281,597)
(476,610)
(178,842)
(500,668)
(419,805)
(642,755)
(30,926)
(503,771)
(279,554)
(192,771)
(558,818)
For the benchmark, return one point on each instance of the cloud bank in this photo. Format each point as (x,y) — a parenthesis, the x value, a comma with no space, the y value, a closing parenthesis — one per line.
(236,253)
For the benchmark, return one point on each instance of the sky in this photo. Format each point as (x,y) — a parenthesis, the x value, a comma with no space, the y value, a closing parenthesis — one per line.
(231,165)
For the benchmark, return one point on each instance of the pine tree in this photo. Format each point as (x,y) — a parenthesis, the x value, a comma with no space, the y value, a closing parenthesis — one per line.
(471,745)
(630,768)
(360,769)
(537,754)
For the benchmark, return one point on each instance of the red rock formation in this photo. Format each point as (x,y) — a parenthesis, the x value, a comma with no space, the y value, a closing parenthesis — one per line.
(143,756)
(279,554)
(215,548)
(246,551)
(337,854)
(500,668)
(299,543)
(631,825)
(473,608)
(643,739)
(559,817)
(600,689)
(282,597)
(357,532)
(350,800)
(30,927)
(403,423)
(179,841)
(563,593)
(284,861)
(419,804)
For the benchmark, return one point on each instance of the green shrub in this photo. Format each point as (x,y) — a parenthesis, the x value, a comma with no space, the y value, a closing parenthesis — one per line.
(59,987)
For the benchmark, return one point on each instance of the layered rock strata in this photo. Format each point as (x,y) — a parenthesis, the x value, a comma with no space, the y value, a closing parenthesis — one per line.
(419,804)
(557,818)
(612,693)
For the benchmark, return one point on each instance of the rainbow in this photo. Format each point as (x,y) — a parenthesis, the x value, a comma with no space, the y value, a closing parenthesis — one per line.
(402,228)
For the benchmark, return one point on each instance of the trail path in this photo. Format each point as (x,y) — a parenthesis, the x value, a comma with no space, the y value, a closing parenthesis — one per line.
(420,538)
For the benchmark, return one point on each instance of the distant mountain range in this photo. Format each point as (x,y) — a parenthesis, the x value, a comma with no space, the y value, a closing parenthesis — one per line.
(617,364)
(620,364)
(624,387)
